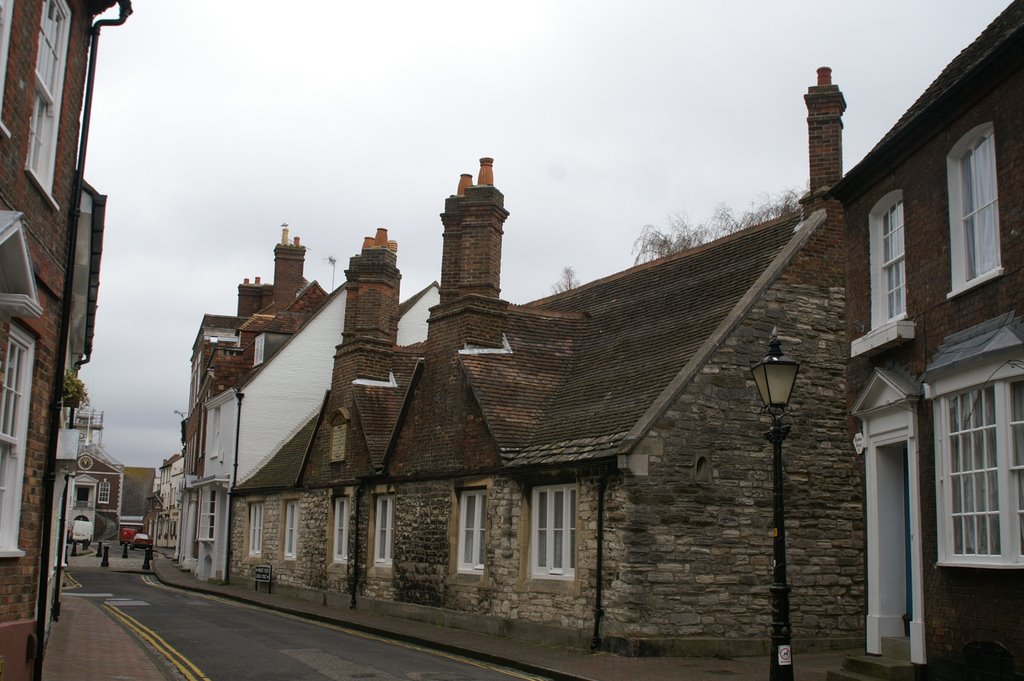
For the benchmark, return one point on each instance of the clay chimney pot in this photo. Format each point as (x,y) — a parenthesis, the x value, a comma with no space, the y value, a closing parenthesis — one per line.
(295,241)
(284,233)
(257,280)
(465,182)
(486,172)
(393,246)
(367,242)
(246,280)
(381,239)
(824,76)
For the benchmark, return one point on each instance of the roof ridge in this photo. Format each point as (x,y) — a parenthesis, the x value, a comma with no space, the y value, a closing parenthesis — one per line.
(721,241)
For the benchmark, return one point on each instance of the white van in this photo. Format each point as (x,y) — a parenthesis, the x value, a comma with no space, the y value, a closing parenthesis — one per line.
(81,531)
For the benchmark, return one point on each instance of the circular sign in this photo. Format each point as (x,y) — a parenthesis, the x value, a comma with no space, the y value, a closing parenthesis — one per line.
(85,463)
(785,656)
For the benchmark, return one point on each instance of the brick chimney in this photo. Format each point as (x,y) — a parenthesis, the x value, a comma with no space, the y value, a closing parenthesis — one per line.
(289,258)
(371,311)
(250,298)
(825,107)
(473,220)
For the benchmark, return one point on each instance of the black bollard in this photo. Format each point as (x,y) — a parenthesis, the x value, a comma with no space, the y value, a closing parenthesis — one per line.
(99,550)
(74,548)
(124,551)
(149,557)
(106,558)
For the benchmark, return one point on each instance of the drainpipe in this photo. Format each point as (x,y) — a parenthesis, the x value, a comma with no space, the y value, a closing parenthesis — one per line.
(61,357)
(231,492)
(602,484)
(55,608)
(354,558)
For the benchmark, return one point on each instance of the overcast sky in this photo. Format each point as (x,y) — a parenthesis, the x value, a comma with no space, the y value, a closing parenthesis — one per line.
(216,122)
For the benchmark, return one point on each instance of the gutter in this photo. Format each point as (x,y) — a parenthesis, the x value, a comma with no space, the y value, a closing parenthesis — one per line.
(61,358)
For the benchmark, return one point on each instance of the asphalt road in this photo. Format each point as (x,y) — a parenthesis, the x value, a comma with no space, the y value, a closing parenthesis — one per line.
(219,640)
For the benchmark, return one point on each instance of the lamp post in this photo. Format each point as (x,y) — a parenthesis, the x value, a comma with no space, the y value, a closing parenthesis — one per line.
(775,376)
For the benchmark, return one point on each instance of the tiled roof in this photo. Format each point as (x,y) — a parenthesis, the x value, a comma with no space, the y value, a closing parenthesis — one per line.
(1004,34)
(586,364)
(379,407)
(284,467)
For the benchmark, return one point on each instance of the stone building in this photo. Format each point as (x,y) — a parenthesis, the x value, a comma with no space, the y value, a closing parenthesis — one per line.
(936,364)
(588,468)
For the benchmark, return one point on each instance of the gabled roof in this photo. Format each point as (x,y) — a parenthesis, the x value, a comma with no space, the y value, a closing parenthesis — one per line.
(592,368)
(1003,38)
(378,407)
(408,304)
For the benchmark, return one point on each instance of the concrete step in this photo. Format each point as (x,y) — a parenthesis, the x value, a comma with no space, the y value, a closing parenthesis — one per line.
(847,675)
(896,647)
(876,667)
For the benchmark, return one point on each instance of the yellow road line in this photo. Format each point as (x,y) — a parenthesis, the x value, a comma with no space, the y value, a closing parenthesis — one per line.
(180,662)
(70,582)
(353,632)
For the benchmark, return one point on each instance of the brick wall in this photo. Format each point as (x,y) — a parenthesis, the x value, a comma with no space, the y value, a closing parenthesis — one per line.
(46,231)
(962,604)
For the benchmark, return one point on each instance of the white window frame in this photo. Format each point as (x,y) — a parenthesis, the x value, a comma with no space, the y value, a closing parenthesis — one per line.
(103,492)
(213,432)
(15,397)
(887,215)
(258,349)
(472,530)
(291,529)
(256,528)
(961,276)
(340,531)
(6,11)
(1003,478)
(553,511)
(51,63)
(208,516)
(384,539)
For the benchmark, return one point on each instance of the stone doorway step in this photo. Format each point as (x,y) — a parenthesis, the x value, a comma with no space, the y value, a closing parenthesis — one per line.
(893,664)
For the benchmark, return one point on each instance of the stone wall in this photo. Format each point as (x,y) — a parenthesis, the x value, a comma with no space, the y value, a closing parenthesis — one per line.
(696,557)
(307,571)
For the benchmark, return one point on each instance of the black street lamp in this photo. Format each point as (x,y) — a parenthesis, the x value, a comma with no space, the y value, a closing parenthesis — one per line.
(775,376)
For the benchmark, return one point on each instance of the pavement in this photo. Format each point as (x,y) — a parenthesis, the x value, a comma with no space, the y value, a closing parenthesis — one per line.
(83,642)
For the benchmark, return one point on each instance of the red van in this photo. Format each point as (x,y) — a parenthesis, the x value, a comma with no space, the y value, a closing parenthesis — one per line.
(127,535)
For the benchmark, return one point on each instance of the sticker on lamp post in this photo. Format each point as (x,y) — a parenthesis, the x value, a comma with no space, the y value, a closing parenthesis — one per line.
(785,656)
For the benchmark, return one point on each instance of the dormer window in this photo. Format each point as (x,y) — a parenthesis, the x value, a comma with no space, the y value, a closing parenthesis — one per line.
(258,348)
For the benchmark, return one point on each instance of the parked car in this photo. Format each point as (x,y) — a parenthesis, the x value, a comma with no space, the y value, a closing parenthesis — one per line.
(142,541)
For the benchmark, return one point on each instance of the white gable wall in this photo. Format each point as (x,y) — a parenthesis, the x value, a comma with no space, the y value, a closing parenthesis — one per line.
(290,388)
(412,327)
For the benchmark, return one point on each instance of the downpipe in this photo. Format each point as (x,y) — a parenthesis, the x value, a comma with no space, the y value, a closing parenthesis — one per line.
(64,333)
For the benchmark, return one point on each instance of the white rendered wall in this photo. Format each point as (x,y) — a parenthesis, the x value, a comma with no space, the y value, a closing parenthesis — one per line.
(289,390)
(412,327)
